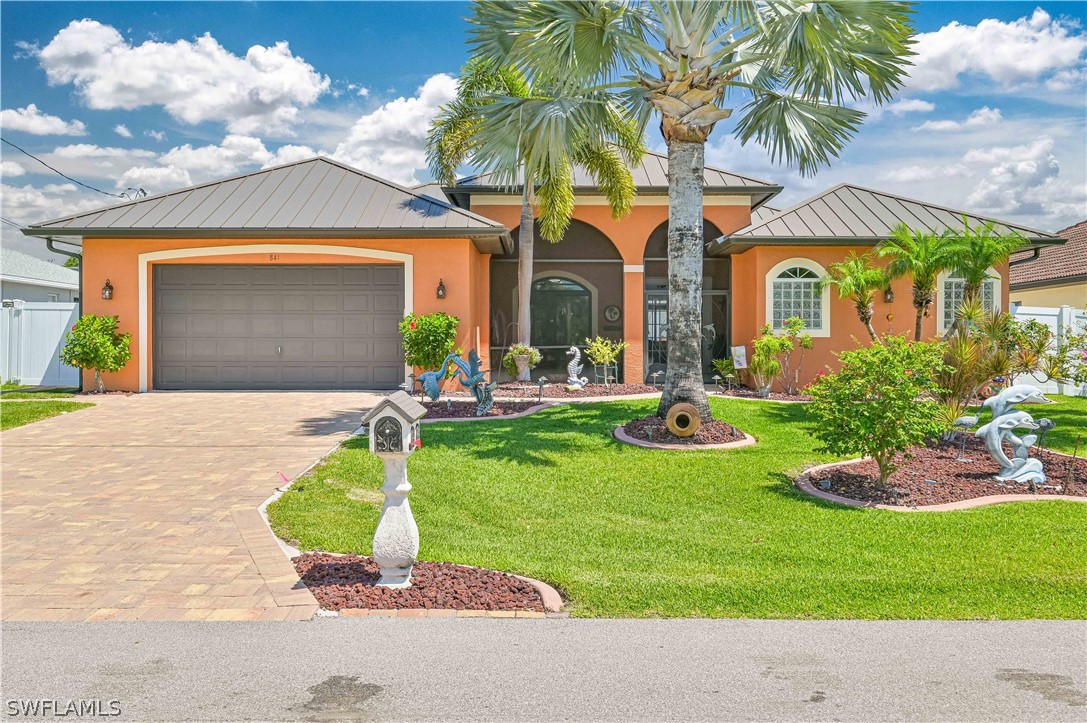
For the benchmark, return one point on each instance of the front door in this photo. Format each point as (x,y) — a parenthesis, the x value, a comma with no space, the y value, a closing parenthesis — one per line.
(715,332)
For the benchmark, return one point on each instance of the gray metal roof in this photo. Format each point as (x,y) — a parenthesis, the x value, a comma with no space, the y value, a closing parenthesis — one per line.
(853,214)
(318,197)
(650,177)
(19,267)
(763,213)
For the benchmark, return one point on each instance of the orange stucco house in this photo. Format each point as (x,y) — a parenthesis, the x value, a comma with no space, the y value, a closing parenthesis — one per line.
(295,277)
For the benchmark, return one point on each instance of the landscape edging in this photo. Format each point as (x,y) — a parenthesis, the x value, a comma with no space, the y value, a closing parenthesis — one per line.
(622,436)
(803,483)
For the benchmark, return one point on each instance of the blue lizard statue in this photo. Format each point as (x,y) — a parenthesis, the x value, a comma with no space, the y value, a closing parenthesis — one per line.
(470,376)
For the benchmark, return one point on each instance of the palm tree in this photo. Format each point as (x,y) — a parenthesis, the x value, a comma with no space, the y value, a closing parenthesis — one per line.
(477,127)
(793,67)
(858,280)
(923,256)
(975,251)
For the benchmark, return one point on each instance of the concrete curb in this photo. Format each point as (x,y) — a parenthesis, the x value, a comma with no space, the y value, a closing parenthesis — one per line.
(530,410)
(803,483)
(622,436)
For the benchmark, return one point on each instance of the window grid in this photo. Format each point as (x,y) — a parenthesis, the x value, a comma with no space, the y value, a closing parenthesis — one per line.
(795,294)
(953,293)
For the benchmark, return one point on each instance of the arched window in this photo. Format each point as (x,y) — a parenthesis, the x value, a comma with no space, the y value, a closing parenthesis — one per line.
(792,289)
(951,289)
(562,312)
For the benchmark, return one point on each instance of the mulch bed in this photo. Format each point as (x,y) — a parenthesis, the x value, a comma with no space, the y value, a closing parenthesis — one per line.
(655,429)
(745,393)
(934,475)
(349,581)
(461,410)
(559,391)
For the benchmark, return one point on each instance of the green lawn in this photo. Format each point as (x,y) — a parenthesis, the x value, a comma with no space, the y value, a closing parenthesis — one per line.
(16,414)
(626,531)
(1070,414)
(34,393)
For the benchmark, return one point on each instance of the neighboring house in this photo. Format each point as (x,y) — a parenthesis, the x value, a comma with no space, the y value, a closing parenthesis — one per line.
(295,277)
(1058,277)
(29,278)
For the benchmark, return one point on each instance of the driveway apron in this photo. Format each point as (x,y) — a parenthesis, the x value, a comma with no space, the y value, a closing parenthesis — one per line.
(145,507)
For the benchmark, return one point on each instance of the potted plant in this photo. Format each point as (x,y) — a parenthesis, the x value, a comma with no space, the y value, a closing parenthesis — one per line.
(765,367)
(604,355)
(521,359)
(94,343)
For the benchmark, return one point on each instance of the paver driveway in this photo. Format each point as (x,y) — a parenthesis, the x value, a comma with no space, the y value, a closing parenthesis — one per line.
(145,507)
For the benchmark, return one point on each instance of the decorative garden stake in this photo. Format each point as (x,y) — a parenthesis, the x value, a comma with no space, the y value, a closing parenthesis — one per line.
(1006,419)
(573,370)
(394,435)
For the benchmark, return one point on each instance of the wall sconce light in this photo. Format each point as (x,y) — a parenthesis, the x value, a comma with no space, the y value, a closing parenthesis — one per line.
(107,290)
(888,295)
(441,289)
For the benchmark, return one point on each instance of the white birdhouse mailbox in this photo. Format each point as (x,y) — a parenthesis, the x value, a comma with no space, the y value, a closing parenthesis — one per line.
(394,425)
(394,435)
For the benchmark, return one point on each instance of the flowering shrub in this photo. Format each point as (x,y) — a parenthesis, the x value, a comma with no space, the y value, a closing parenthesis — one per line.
(520,349)
(429,339)
(94,343)
(881,402)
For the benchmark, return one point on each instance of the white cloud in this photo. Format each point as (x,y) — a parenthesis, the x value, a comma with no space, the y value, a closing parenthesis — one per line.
(1023,52)
(212,161)
(924,172)
(10,169)
(1025,180)
(122,130)
(154,179)
(290,154)
(194,81)
(390,141)
(31,120)
(911,105)
(27,204)
(156,135)
(984,116)
(364,92)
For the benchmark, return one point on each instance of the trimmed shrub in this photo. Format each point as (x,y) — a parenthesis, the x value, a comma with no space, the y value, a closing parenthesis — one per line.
(94,343)
(429,339)
(881,402)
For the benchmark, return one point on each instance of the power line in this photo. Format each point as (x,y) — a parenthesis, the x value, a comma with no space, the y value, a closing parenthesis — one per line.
(63,175)
(9,222)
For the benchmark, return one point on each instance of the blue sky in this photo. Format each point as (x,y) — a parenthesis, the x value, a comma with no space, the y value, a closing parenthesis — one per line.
(161,95)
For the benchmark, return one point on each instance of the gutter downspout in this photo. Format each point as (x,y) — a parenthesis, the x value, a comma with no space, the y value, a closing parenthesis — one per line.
(1036,252)
(50,244)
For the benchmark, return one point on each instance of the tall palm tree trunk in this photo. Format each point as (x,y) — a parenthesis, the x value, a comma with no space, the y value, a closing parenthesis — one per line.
(683,379)
(525,240)
(921,300)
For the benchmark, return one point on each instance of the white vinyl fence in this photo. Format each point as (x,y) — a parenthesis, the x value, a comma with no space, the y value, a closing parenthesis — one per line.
(31,337)
(1061,319)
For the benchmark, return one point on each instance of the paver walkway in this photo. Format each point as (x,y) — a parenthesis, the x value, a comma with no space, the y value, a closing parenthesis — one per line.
(145,507)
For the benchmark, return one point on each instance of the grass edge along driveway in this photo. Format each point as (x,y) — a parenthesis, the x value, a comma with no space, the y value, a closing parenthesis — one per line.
(632,532)
(18,413)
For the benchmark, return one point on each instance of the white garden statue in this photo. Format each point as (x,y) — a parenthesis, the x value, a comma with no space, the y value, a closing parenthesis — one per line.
(1021,467)
(573,370)
(394,435)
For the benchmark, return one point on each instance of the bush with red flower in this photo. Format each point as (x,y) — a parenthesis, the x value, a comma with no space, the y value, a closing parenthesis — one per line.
(429,339)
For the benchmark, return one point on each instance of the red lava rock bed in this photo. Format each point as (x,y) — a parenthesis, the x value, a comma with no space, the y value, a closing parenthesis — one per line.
(934,475)
(654,429)
(463,410)
(531,390)
(349,581)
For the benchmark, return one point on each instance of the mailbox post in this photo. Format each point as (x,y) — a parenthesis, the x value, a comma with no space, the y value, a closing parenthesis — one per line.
(394,435)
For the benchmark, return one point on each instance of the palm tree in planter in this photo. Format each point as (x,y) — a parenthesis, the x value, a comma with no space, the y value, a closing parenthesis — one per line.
(858,280)
(976,250)
(502,122)
(923,256)
(794,68)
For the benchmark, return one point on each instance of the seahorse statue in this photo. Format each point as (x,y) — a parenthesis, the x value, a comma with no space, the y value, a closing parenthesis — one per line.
(573,369)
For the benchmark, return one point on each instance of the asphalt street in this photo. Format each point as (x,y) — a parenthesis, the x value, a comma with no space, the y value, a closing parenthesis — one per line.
(552,669)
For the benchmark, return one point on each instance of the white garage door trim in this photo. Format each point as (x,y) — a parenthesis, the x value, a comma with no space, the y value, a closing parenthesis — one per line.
(145,260)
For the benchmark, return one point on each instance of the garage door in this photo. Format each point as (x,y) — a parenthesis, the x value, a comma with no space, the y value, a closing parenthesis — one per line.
(278,327)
